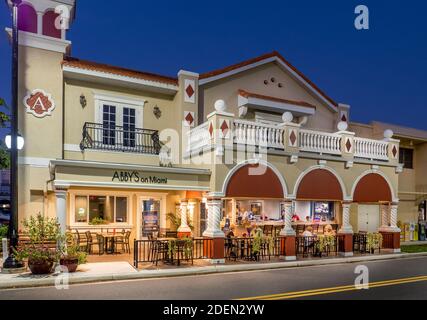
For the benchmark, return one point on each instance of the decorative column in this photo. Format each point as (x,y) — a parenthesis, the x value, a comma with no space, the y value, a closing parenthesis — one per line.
(214,242)
(391,234)
(345,234)
(184,230)
(61,209)
(288,234)
(385,221)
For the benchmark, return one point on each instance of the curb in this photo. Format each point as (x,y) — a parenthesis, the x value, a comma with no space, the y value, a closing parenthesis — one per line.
(152,274)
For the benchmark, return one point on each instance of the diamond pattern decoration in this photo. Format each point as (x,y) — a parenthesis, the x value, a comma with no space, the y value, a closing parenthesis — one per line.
(190,91)
(211,129)
(394,151)
(189,118)
(293,138)
(348,145)
(224,128)
(344,118)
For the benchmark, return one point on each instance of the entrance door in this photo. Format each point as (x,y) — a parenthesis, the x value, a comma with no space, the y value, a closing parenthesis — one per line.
(150,217)
(369,218)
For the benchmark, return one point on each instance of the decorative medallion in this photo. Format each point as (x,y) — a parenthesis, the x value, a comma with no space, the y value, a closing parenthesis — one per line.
(39,103)
(293,138)
(348,145)
(157,112)
(225,126)
(189,118)
(211,129)
(394,151)
(190,91)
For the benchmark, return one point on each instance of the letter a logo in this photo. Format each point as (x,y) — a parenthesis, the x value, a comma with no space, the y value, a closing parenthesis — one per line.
(362,20)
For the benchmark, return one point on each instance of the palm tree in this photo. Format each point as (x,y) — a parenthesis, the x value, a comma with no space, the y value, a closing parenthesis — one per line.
(4,120)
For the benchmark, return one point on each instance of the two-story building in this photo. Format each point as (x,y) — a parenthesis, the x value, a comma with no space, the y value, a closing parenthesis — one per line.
(127,148)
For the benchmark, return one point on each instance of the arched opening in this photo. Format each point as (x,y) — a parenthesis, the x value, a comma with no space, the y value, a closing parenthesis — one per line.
(49,27)
(372,188)
(27,18)
(246,184)
(320,184)
(319,195)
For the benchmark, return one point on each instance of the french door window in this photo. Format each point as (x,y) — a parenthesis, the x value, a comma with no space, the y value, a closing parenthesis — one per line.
(119,123)
(109,124)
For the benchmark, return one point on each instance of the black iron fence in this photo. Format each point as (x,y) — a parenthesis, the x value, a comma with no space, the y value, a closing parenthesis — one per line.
(318,245)
(252,248)
(155,251)
(118,138)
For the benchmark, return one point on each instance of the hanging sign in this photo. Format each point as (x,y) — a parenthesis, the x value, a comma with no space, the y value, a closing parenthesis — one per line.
(39,103)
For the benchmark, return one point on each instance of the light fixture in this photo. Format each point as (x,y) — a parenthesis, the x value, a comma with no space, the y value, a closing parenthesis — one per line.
(8,141)
(83,101)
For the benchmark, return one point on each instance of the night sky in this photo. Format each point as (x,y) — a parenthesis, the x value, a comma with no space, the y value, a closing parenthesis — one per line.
(380,72)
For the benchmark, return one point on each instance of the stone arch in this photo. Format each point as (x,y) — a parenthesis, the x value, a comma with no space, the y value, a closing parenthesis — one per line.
(311,185)
(27,18)
(239,183)
(373,186)
(49,28)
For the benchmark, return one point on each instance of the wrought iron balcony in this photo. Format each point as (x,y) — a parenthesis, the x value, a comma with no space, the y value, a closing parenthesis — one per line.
(117,138)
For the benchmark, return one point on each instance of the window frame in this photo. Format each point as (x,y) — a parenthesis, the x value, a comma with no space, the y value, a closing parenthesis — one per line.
(100,194)
(403,156)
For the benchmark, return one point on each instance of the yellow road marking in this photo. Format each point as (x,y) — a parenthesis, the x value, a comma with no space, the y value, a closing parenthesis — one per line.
(314,292)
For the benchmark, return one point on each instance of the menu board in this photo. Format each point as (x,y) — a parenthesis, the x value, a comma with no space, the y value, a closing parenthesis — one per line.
(150,217)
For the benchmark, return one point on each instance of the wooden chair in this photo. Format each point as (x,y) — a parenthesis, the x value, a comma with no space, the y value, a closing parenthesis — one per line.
(101,244)
(89,242)
(277,230)
(268,230)
(171,234)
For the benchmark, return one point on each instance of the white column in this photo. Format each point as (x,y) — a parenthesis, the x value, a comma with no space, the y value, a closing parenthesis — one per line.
(40,23)
(385,214)
(346,227)
(214,219)
(184,224)
(61,209)
(393,217)
(287,229)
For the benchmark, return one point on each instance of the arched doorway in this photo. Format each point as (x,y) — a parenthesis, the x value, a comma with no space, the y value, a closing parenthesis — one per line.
(370,192)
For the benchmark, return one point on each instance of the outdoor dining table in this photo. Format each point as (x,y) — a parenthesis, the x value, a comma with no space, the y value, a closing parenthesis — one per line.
(110,238)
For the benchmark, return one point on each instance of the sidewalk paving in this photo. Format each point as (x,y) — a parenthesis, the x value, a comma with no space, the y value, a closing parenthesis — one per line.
(111,271)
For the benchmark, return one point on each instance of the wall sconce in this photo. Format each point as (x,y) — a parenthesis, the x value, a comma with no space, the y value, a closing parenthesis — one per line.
(83,101)
(157,112)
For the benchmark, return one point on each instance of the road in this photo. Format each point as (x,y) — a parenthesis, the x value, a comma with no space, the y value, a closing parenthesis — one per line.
(392,279)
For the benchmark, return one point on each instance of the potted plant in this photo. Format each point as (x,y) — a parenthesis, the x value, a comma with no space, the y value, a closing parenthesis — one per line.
(175,220)
(71,254)
(98,221)
(41,251)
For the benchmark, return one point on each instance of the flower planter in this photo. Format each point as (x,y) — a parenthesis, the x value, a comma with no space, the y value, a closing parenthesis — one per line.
(40,267)
(70,263)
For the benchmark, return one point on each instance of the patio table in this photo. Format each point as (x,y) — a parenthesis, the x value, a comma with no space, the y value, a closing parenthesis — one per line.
(110,238)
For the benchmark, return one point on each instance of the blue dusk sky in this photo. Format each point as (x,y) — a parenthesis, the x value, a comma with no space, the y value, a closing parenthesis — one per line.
(380,72)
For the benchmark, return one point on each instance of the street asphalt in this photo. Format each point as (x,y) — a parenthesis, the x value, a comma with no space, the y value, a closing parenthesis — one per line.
(392,279)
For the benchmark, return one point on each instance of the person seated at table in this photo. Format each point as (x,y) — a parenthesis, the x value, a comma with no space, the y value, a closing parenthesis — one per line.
(307,219)
(308,232)
(295,218)
(230,233)
(329,231)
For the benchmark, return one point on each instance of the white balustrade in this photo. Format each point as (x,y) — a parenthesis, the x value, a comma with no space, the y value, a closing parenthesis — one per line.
(253,133)
(320,142)
(371,149)
(199,137)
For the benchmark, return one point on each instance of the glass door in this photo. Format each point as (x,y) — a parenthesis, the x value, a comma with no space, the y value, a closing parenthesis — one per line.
(150,217)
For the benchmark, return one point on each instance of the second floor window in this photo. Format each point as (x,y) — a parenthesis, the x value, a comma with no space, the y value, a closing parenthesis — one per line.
(406,157)
(119,125)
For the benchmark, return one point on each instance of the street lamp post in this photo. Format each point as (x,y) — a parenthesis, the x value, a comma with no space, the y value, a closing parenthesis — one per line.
(11,262)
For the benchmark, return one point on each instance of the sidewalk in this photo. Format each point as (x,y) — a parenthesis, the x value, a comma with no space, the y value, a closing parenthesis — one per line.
(112,271)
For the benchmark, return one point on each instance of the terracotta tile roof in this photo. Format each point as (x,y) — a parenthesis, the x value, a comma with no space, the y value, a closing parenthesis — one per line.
(95,66)
(246,94)
(260,58)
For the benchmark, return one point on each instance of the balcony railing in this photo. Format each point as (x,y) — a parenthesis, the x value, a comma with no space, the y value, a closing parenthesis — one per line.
(117,138)
(290,137)
(320,142)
